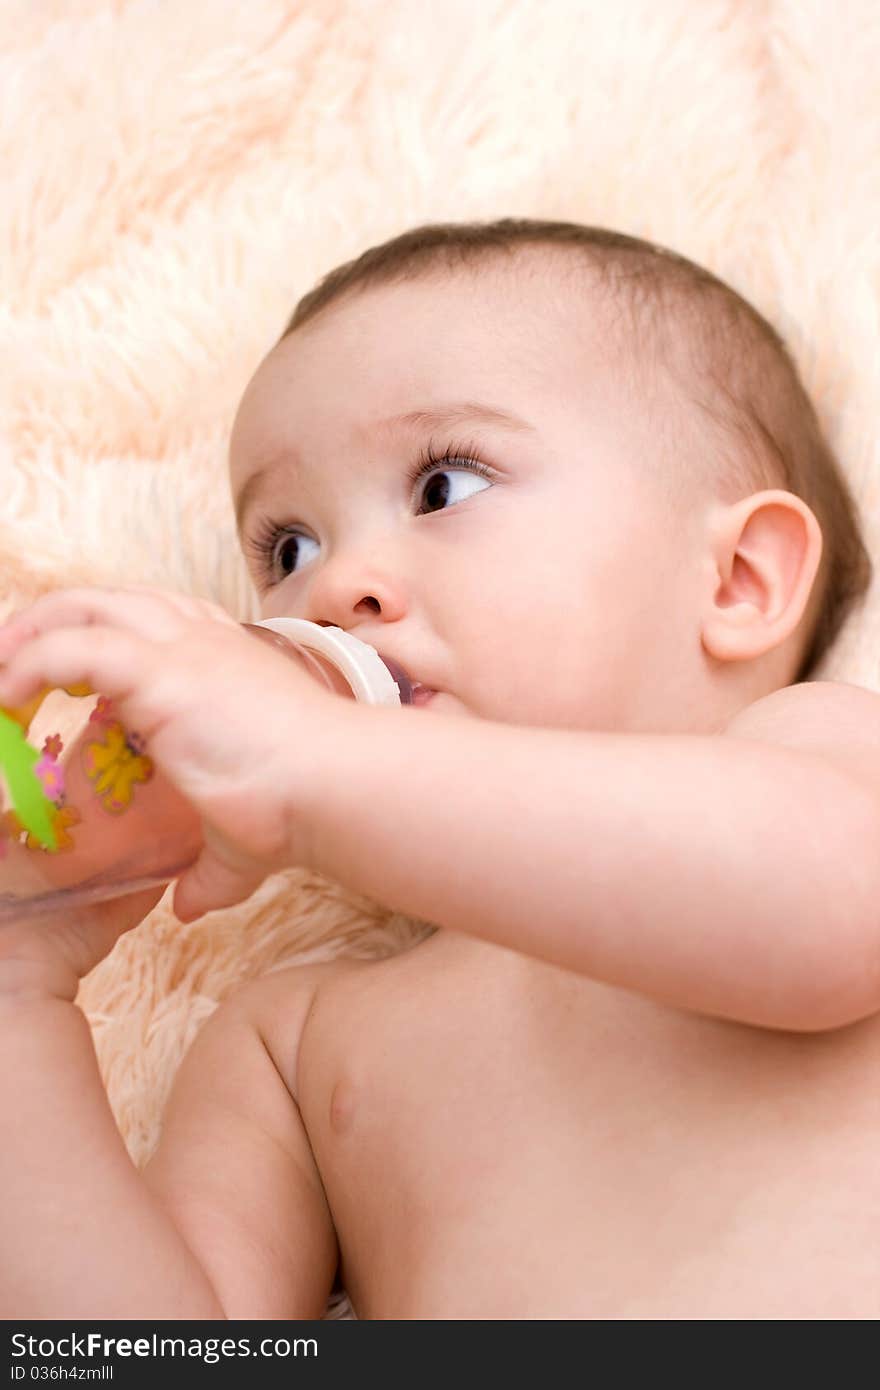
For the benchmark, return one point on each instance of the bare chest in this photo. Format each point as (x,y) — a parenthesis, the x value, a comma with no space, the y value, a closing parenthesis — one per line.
(462,1097)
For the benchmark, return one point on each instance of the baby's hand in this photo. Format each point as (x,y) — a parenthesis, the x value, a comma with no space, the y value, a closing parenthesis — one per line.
(230,721)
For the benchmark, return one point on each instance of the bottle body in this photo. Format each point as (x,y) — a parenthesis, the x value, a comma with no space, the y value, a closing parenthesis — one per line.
(85,815)
(114,823)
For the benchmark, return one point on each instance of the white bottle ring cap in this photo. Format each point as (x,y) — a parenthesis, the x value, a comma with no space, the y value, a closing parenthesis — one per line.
(370,680)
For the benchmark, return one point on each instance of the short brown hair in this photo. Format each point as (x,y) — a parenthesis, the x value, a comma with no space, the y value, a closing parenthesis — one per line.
(732,362)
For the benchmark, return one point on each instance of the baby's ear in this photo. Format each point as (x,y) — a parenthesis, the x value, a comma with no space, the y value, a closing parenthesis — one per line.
(765,551)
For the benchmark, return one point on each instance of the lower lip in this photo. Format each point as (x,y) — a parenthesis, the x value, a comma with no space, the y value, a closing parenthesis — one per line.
(422,696)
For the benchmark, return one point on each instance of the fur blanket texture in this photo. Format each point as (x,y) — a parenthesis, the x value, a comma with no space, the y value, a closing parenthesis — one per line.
(177,174)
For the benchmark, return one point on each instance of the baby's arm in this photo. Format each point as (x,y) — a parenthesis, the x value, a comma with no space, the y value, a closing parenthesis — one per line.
(234,1168)
(228,1220)
(734,874)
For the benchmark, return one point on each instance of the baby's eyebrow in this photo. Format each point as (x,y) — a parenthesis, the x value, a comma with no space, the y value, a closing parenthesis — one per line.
(452,413)
(447,415)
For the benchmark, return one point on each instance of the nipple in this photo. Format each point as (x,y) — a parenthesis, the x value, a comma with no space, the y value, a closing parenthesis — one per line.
(342,1107)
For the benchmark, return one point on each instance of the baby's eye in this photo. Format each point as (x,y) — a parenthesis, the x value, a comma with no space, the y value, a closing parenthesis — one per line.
(292,550)
(282,550)
(279,551)
(439,493)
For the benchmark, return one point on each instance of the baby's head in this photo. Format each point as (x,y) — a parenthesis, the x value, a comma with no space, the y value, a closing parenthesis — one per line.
(627,517)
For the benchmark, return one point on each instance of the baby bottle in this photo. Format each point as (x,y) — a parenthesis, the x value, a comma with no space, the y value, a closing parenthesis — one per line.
(84,813)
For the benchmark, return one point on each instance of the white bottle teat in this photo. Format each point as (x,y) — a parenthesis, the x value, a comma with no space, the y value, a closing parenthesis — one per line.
(372,678)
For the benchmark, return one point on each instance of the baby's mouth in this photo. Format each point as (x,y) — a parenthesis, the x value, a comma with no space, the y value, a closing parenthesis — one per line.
(404,685)
(411,692)
(421,694)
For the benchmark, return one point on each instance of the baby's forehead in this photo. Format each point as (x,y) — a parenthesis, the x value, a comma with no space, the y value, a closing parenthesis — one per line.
(526,331)
(555,316)
(532,317)
(544,294)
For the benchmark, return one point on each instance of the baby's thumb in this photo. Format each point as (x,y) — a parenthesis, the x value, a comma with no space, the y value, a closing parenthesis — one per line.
(209,884)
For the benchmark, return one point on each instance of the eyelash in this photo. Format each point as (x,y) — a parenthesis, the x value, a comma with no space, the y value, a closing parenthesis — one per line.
(261,546)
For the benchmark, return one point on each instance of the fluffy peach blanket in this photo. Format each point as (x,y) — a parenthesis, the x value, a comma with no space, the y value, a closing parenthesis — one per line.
(176,176)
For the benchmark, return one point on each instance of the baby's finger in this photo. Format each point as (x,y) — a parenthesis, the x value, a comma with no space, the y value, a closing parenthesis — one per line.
(151,614)
(189,605)
(210,884)
(112,663)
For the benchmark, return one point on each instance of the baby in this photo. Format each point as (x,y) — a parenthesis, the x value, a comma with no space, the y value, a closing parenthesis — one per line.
(571,483)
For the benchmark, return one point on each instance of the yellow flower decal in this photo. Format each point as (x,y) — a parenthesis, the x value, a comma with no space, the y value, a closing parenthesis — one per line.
(63,817)
(115,766)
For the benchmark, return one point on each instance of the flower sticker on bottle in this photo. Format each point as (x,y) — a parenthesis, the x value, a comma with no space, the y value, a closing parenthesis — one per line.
(31,809)
(51,777)
(34,783)
(115,766)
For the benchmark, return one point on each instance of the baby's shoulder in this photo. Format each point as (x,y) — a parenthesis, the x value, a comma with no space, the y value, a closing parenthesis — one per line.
(277,1006)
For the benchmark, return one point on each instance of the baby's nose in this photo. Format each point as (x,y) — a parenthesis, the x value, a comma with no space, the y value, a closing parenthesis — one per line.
(343,593)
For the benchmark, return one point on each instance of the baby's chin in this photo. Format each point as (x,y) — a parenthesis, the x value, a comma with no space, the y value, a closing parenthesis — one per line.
(425,701)
(542,711)
(527,709)
(445,704)
(529,713)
